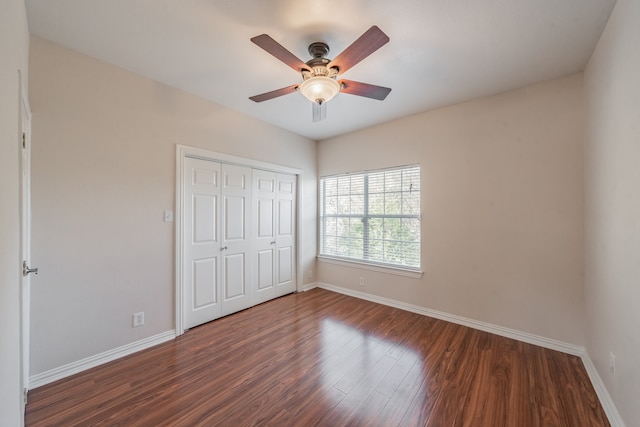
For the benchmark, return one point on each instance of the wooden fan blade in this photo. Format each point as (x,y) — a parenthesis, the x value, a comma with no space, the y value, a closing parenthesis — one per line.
(280,52)
(274,93)
(364,89)
(372,40)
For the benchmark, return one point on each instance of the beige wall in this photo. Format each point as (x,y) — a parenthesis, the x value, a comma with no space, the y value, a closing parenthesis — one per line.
(103,173)
(502,207)
(14,51)
(612,175)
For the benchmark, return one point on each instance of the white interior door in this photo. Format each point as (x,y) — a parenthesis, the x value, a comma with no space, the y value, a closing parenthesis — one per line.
(25,240)
(285,234)
(235,239)
(201,265)
(264,250)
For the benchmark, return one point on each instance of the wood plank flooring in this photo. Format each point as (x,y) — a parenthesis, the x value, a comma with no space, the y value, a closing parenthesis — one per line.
(324,359)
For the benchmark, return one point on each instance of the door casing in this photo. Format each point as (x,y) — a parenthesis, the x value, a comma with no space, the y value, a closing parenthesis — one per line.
(25,235)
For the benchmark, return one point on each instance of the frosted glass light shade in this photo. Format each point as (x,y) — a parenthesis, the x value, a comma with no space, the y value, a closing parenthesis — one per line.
(319,89)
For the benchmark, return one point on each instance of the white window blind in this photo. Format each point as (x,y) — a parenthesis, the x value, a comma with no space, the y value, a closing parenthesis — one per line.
(372,217)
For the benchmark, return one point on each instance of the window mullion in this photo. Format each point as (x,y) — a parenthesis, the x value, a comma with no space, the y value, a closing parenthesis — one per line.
(365,219)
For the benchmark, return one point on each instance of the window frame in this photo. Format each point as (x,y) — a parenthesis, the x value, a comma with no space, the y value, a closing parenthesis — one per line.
(366,216)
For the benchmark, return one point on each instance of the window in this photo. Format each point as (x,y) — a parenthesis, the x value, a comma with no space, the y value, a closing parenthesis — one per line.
(372,217)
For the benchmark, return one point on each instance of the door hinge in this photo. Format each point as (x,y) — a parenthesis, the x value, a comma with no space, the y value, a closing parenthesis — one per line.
(25,393)
(24,140)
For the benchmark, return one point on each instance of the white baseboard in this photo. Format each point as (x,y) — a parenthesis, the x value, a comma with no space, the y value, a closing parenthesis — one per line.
(475,324)
(603,394)
(309,286)
(69,369)
(605,399)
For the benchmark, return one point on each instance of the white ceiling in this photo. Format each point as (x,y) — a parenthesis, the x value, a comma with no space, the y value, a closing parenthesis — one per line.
(441,51)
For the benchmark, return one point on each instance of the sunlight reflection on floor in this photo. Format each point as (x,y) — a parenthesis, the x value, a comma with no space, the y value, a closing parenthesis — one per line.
(364,368)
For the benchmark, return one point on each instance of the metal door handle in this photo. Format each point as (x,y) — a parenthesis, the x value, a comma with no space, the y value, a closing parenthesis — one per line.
(273,243)
(223,249)
(26,270)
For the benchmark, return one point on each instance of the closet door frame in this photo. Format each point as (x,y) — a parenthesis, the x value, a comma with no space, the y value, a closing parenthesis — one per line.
(182,152)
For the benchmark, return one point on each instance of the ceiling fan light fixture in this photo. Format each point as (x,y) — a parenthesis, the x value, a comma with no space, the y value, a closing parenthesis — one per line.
(319,89)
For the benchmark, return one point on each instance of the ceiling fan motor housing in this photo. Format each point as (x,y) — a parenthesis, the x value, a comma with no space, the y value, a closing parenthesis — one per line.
(319,60)
(318,64)
(318,49)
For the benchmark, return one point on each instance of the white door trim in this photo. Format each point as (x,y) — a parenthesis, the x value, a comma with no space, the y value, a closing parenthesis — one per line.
(24,133)
(183,151)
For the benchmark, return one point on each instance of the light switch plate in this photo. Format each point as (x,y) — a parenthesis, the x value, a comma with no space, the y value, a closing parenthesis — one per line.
(168,216)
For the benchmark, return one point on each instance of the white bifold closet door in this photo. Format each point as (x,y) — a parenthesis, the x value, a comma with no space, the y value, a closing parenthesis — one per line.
(274,222)
(238,232)
(217,204)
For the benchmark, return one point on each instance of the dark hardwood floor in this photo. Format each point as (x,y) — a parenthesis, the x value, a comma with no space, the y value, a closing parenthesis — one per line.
(322,358)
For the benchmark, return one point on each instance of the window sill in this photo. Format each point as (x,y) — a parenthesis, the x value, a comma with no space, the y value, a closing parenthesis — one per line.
(398,271)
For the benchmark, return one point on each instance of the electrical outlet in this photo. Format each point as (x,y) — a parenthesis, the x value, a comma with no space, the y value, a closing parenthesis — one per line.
(362,282)
(612,363)
(138,319)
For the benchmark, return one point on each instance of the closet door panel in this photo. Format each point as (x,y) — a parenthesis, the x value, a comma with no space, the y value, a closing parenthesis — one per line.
(285,234)
(201,190)
(264,201)
(235,240)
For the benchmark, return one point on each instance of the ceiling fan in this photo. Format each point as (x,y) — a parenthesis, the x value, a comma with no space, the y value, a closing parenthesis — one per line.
(319,74)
